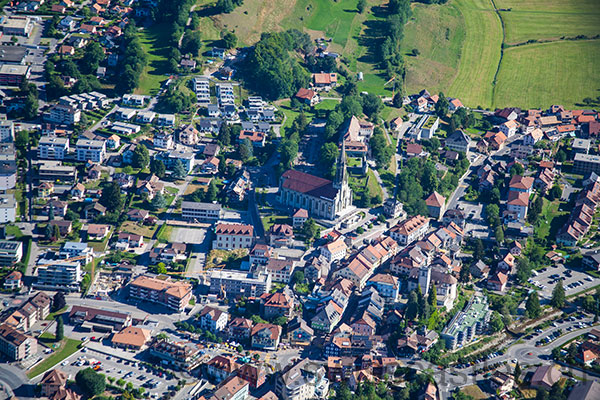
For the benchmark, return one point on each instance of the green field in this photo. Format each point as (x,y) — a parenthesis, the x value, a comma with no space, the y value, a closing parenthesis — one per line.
(352,33)
(65,349)
(570,73)
(155,44)
(460,48)
(549,19)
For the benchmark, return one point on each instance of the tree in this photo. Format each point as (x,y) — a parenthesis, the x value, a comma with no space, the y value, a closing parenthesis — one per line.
(90,382)
(412,306)
(441,107)
(465,273)
(158,202)
(224,137)
(93,54)
(60,328)
(558,295)
(179,170)
(111,197)
(30,108)
(499,233)
(245,150)
(371,105)
(517,372)
(328,154)
(211,192)
(141,157)
(561,156)
(555,192)
(191,43)
(157,167)
(59,302)
(229,40)
(361,5)
(397,99)
(22,139)
(479,251)
(310,229)
(496,322)
(432,297)
(298,277)
(523,270)
(381,151)
(51,213)
(532,306)
(415,52)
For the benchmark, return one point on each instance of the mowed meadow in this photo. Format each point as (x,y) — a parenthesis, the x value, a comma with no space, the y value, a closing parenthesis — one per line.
(351,33)
(460,51)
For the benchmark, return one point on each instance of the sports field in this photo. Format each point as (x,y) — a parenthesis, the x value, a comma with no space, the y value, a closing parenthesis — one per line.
(460,47)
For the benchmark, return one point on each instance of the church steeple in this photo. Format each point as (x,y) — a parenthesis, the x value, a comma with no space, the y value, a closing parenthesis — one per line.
(341,176)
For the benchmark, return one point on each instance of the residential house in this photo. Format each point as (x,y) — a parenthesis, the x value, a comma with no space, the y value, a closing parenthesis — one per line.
(334,251)
(220,368)
(239,329)
(233,236)
(436,205)
(266,336)
(545,376)
(213,319)
(281,235)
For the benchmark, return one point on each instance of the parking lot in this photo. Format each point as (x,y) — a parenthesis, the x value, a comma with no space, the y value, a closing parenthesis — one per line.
(475,225)
(140,376)
(573,281)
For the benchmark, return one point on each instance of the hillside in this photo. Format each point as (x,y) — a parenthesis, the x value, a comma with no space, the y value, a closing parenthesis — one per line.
(460,51)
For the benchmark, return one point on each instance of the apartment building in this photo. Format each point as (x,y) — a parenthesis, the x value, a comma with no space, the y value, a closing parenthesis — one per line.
(231,283)
(64,275)
(50,171)
(410,230)
(62,114)
(202,89)
(11,252)
(196,211)
(8,208)
(91,150)
(586,163)
(173,294)
(233,236)
(302,381)
(14,345)
(7,131)
(178,356)
(53,148)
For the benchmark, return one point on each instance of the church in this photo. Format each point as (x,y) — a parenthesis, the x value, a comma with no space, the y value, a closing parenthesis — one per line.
(322,198)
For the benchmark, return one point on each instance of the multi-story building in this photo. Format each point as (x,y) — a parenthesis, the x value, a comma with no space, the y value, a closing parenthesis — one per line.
(266,336)
(53,148)
(234,388)
(7,131)
(77,249)
(202,89)
(91,150)
(176,355)
(14,345)
(173,294)
(64,275)
(220,368)
(586,163)
(8,169)
(225,94)
(8,208)
(62,114)
(50,171)
(230,283)
(410,230)
(302,381)
(11,252)
(467,324)
(233,236)
(195,211)
(13,75)
(96,319)
(213,319)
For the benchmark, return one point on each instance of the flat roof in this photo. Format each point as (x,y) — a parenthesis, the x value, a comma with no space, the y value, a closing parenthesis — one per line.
(12,54)
(587,158)
(7,201)
(8,69)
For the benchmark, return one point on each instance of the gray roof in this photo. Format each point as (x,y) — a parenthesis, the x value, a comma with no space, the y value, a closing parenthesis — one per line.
(200,206)
(589,390)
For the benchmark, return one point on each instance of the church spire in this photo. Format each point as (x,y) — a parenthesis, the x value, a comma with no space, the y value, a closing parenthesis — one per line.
(341,177)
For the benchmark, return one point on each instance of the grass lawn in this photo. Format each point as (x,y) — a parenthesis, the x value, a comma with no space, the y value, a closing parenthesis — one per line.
(270,220)
(99,246)
(549,19)
(562,72)
(550,220)
(475,392)
(52,315)
(67,347)
(326,104)
(437,63)
(142,230)
(164,233)
(155,44)
(12,230)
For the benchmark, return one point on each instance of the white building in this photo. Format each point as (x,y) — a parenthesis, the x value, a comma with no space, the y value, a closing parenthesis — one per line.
(410,230)
(53,148)
(63,275)
(91,150)
(7,131)
(233,236)
(202,89)
(8,208)
(334,251)
(62,114)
